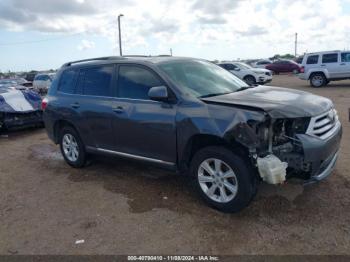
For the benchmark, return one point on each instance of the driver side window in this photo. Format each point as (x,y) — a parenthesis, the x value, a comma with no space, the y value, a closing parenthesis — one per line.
(134,82)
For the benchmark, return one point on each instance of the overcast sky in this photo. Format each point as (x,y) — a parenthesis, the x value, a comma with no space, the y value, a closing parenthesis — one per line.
(43,34)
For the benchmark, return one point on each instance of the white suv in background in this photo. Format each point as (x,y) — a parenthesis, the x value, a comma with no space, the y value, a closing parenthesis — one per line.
(42,82)
(322,67)
(247,73)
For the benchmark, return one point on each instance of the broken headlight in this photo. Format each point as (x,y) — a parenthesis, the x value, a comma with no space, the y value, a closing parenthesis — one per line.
(285,129)
(300,125)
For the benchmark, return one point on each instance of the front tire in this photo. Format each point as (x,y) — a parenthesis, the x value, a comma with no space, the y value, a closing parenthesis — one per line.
(250,80)
(72,147)
(223,179)
(318,80)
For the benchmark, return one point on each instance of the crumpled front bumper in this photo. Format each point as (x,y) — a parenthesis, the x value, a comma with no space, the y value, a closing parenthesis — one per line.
(21,120)
(321,154)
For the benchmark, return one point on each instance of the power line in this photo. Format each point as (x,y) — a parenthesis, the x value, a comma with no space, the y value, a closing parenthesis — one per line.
(39,41)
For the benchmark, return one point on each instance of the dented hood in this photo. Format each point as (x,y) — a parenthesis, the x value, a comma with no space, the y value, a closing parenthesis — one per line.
(276,101)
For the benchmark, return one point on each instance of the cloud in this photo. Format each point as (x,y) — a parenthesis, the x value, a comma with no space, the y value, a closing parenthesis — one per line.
(252,26)
(86,44)
(253,31)
(54,7)
(213,7)
(214,20)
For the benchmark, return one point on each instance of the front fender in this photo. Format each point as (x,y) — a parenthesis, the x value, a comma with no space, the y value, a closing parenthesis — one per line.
(234,125)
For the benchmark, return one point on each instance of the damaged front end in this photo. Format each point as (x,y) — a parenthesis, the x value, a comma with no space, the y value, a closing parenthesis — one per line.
(304,147)
(281,149)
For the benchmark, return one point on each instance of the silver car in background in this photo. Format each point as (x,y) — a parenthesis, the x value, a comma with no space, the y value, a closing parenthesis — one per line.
(42,82)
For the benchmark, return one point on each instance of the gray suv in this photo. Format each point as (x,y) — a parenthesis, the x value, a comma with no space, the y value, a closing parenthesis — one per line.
(193,117)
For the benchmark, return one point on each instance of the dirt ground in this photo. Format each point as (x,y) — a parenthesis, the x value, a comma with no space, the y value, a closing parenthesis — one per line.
(120,207)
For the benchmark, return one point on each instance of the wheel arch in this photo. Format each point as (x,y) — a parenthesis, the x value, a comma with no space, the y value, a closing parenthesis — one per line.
(249,75)
(324,72)
(59,124)
(199,141)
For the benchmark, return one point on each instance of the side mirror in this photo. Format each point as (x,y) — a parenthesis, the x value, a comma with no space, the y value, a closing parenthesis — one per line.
(236,69)
(158,93)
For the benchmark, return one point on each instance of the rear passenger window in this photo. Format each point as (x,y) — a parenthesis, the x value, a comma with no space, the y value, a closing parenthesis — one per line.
(312,59)
(135,82)
(330,58)
(345,57)
(97,81)
(67,81)
(230,66)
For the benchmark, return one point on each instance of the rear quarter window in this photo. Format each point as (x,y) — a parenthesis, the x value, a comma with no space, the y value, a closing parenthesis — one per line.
(312,59)
(67,81)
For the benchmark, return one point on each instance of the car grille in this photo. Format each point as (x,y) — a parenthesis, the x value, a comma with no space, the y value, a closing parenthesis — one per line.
(324,125)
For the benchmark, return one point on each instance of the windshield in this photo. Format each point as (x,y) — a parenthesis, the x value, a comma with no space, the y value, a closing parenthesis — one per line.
(201,78)
(243,66)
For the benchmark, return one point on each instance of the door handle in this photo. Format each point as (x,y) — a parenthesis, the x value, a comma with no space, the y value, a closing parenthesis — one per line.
(323,65)
(342,64)
(75,105)
(118,109)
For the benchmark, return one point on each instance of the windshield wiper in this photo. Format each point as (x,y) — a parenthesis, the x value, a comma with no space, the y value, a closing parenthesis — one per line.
(214,94)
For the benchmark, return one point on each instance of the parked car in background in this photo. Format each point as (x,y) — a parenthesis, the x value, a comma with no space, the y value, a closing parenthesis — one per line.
(262,63)
(322,67)
(299,60)
(42,82)
(30,76)
(19,108)
(284,66)
(16,83)
(194,117)
(247,73)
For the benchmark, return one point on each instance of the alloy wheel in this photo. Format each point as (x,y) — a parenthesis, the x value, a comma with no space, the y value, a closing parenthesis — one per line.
(317,80)
(217,180)
(70,147)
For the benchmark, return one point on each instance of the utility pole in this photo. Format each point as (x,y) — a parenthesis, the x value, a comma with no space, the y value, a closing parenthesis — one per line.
(120,36)
(296,45)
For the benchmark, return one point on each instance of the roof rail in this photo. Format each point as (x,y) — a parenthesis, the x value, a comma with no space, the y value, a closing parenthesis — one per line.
(325,51)
(92,59)
(136,56)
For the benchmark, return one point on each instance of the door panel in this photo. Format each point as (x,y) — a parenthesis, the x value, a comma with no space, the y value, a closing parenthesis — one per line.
(95,120)
(141,126)
(331,63)
(145,128)
(344,66)
(93,103)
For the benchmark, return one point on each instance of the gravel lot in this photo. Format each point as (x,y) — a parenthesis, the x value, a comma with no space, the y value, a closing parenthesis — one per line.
(119,207)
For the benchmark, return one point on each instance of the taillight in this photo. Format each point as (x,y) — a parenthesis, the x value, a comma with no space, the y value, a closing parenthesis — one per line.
(302,69)
(44,104)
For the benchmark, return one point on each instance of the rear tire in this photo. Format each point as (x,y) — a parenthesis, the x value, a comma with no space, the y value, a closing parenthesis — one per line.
(72,147)
(223,179)
(318,80)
